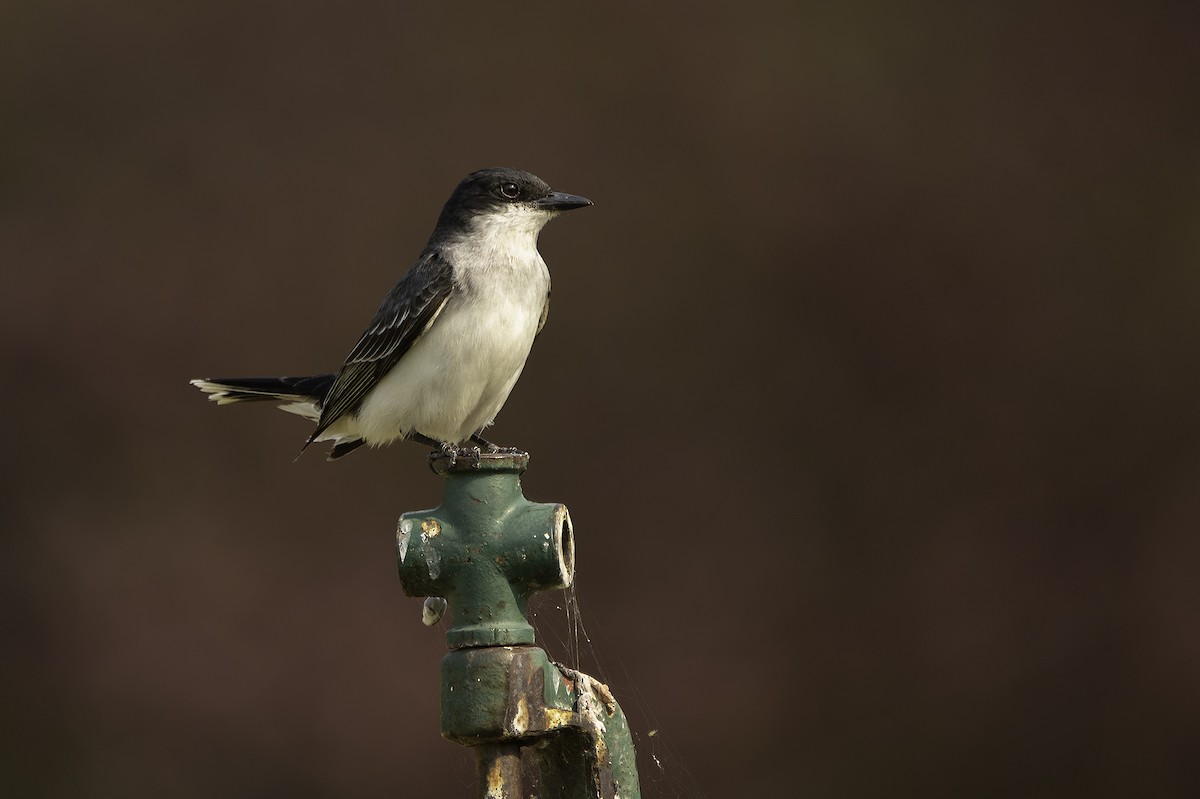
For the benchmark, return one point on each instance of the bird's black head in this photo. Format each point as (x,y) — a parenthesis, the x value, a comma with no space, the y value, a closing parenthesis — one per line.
(504,193)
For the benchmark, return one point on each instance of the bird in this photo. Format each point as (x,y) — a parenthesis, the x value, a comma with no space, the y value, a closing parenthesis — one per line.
(441,355)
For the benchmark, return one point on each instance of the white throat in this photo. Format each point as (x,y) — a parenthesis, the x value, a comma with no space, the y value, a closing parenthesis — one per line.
(503,241)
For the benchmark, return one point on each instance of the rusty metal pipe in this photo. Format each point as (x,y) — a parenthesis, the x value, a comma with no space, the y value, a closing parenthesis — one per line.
(537,728)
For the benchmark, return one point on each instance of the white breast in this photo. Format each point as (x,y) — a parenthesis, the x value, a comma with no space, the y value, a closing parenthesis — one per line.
(456,377)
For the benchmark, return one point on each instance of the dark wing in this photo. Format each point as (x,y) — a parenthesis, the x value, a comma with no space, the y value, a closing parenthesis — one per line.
(405,313)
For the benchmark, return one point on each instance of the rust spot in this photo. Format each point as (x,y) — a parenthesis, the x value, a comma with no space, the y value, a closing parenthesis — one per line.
(495,779)
(556,718)
(430,528)
(606,698)
(520,719)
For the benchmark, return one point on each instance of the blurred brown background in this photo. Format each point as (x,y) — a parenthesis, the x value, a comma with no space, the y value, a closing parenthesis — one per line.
(870,384)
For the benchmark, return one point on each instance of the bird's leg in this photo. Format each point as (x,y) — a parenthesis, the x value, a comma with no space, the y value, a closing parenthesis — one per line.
(483,442)
(494,449)
(421,438)
(440,448)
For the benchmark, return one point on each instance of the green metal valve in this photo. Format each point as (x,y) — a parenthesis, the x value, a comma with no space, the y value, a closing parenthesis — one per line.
(486,549)
(537,727)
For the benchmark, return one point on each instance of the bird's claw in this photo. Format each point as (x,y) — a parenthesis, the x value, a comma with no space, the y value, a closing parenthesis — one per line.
(452,453)
(447,451)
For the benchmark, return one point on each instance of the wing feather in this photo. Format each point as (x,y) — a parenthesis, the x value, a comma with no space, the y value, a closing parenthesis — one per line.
(400,321)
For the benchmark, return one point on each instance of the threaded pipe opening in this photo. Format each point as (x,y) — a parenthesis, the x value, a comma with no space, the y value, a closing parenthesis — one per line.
(564,545)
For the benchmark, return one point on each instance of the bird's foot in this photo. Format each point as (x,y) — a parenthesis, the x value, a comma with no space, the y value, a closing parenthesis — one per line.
(445,456)
(452,454)
(447,451)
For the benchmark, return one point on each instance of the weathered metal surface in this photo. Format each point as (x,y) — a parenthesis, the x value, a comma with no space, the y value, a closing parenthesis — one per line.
(486,549)
(538,729)
(501,771)
(502,692)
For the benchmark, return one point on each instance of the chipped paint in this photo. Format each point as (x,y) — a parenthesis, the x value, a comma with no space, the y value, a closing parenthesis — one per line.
(592,702)
(432,610)
(520,720)
(526,717)
(403,531)
(495,780)
(556,718)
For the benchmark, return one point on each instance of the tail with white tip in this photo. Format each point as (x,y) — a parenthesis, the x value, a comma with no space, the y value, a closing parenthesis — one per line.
(299,395)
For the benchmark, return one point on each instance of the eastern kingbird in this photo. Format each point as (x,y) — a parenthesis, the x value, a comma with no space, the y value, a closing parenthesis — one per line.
(448,343)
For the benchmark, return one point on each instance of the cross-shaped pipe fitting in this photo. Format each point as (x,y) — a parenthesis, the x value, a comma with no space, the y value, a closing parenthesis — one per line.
(486,549)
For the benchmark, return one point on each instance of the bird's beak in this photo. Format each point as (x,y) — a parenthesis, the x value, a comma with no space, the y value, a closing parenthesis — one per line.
(557,201)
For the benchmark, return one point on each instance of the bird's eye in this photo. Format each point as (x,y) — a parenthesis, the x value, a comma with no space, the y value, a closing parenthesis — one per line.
(509,190)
